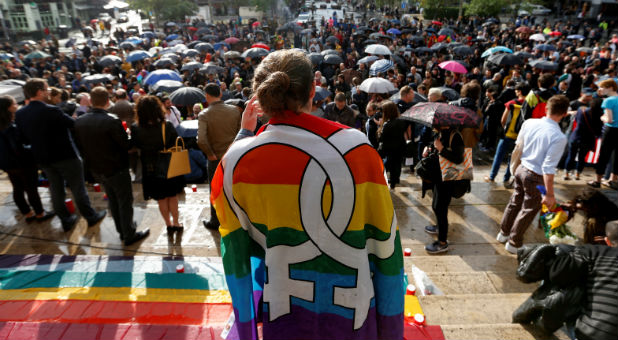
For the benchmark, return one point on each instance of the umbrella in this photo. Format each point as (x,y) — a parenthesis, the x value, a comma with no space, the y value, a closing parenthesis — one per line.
(37,55)
(203,30)
(463,50)
(154,50)
(545,47)
(163,62)
(190,53)
(453,66)
(380,66)
(172,56)
(379,36)
(417,38)
(134,40)
(166,85)
(393,31)
(524,55)
(204,47)
(138,55)
(220,46)
(438,46)
(211,68)
(261,45)
(333,40)
(187,96)
(232,54)
(366,60)
(255,53)
(576,37)
(26,42)
(448,93)
(232,40)
(442,114)
(210,37)
(6,56)
(109,60)
(13,82)
(399,61)
(190,66)
(395,22)
(537,37)
(436,23)
(423,49)
(377,85)
(430,29)
(493,50)
(377,49)
(505,59)
(321,94)
(158,75)
(98,78)
(194,43)
(544,65)
(493,20)
(332,59)
(148,34)
(327,52)
(256,24)
(306,31)
(523,29)
(447,31)
(316,58)
(172,37)
(127,45)
(171,24)
(555,33)
(584,49)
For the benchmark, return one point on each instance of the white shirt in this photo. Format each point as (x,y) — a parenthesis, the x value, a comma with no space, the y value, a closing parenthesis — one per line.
(543,143)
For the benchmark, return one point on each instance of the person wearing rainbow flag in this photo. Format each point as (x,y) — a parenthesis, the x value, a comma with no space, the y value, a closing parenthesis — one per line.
(309,237)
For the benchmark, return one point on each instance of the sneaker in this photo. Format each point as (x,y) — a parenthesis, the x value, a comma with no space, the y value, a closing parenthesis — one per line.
(488,179)
(501,237)
(431,229)
(511,248)
(436,247)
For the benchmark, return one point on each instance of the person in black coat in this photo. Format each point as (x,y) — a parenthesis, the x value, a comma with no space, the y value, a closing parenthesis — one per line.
(46,129)
(392,142)
(105,146)
(19,165)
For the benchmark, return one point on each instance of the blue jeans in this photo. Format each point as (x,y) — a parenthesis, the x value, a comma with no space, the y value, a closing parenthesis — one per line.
(505,146)
(71,171)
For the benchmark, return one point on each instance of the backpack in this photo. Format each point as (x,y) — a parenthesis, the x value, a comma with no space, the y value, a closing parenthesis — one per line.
(514,122)
(539,109)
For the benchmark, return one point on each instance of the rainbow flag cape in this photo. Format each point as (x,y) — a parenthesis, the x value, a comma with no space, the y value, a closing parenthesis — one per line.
(112,297)
(310,243)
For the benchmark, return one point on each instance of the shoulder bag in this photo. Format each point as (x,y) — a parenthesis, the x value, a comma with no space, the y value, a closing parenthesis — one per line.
(454,172)
(174,161)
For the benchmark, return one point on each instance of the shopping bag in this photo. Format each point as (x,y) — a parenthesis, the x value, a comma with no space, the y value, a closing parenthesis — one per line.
(174,161)
(592,157)
(454,172)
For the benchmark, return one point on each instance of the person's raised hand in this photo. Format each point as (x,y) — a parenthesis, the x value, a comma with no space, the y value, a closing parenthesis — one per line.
(249,116)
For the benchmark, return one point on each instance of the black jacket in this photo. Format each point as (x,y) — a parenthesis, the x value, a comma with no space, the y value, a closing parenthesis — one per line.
(392,138)
(103,141)
(46,129)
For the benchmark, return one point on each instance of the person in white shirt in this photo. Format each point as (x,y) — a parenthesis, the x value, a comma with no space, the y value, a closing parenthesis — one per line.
(543,144)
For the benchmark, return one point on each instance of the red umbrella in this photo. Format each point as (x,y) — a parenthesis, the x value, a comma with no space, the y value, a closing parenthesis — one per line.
(555,33)
(442,114)
(93,21)
(260,45)
(256,24)
(192,28)
(232,40)
(523,29)
(436,23)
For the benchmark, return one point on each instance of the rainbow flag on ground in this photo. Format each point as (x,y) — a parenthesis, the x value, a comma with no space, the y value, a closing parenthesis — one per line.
(111,297)
(310,242)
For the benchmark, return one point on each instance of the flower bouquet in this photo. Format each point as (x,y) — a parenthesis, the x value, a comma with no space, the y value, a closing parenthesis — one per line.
(554,221)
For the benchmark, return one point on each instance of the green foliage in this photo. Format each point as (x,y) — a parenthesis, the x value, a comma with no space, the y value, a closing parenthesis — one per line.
(264,5)
(434,9)
(484,8)
(165,9)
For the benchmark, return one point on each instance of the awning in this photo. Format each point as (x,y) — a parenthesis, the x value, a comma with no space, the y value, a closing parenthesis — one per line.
(116,4)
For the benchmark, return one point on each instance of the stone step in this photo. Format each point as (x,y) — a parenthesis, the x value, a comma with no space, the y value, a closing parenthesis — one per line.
(479,283)
(499,331)
(471,309)
(458,264)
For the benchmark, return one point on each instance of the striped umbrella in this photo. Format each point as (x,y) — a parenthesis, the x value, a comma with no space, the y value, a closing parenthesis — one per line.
(380,66)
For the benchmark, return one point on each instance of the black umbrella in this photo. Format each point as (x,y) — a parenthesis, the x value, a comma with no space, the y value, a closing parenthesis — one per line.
(379,36)
(232,54)
(187,96)
(544,65)
(172,56)
(369,42)
(127,45)
(417,38)
(423,49)
(205,47)
(210,37)
(109,60)
(447,31)
(399,61)
(463,50)
(190,66)
(193,43)
(439,46)
(407,31)
(211,68)
(166,85)
(202,31)
(98,78)
(163,62)
(255,52)
(190,53)
(332,59)
(524,55)
(448,93)
(316,58)
(505,59)
(327,52)
(333,40)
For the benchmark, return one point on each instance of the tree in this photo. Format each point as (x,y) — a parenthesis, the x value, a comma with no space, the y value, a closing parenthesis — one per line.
(485,8)
(165,9)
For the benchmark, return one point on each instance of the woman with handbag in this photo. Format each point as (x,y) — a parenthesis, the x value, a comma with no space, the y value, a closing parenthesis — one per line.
(392,140)
(148,135)
(584,136)
(450,147)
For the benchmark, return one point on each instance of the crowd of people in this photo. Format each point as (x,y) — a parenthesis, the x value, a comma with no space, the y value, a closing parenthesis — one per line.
(103,112)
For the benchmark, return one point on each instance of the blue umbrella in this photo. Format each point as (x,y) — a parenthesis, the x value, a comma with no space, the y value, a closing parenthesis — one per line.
(321,94)
(576,36)
(367,59)
(493,50)
(220,45)
(127,45)
(148,35)
(395,21)
(545,47)
(380,66)
(157,75)
(6,56)
(135,40)
(172,37)
(138,55)
(393,31)
(430,29)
